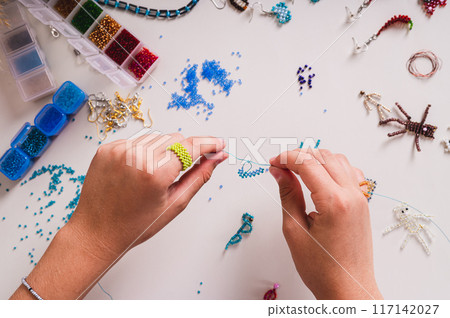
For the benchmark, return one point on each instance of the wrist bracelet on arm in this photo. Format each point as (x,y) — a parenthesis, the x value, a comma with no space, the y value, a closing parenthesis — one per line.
(31,290)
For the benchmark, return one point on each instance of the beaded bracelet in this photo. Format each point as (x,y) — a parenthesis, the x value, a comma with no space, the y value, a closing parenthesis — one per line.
(147,12)
(31,290)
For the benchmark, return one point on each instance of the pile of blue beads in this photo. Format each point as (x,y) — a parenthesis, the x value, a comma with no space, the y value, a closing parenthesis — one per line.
(210,71)
(302,79)
(32,140)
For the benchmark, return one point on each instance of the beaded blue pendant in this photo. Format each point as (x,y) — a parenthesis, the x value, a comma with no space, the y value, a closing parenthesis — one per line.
(246,228)
(282,12)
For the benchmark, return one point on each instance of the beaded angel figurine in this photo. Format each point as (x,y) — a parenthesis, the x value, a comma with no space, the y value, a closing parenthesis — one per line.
(411,224)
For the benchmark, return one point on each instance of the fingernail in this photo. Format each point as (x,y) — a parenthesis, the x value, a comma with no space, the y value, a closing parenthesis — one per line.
(224,143)
(272,160)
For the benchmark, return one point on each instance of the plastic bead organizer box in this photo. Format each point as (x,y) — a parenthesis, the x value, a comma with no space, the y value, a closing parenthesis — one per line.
(108,47)
(31,141)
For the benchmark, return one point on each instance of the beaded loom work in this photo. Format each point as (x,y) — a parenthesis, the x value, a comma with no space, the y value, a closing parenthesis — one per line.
(411,223)
(246,228)
(417,128)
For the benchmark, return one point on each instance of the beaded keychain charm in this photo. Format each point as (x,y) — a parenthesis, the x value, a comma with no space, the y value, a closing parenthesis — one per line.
(280,11)
(417,128)
(272,293)
(246,228)
(411,223)
(355,16)
(403,19)
(374,99)
(430,5)
(370,188)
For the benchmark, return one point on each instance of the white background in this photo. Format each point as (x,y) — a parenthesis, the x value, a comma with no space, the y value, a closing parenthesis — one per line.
(191,249)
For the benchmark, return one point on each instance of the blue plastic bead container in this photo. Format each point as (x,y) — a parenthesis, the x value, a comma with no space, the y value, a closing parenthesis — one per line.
(69,98)
(30,140)
(50,120)
(14,164)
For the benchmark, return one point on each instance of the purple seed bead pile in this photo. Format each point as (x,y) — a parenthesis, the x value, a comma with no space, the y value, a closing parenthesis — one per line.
(301,79)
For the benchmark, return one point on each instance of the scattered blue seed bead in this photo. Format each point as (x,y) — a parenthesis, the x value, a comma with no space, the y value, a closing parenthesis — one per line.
(221,186)
(209,200)
(3,218)
(160,36)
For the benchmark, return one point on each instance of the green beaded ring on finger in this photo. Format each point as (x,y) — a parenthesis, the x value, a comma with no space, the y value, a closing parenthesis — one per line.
(182,154)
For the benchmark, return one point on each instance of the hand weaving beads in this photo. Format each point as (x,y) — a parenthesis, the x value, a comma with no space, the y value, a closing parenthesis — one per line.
(417,128)
(411,224)
(272,293)
(374,99)
(402,19)
(246,228)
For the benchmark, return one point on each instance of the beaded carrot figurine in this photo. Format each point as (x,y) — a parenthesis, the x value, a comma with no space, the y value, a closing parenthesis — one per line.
(397,19)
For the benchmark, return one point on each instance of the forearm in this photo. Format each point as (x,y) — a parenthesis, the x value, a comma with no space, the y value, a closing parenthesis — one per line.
(69,268)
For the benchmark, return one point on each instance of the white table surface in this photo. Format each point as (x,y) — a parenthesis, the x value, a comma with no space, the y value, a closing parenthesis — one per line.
(191,249)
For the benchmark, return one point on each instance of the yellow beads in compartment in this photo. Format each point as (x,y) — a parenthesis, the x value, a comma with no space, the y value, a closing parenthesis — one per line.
(104,32)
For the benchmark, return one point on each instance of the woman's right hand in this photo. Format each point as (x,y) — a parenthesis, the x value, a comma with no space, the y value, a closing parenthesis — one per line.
(332,247)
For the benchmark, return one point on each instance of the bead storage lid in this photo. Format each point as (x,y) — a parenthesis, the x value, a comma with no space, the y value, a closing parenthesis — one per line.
(30,140)
(15,17)
(17,39)
(50,120)
(45,15)
(14,164)
(26,62)
(36,85)
(69,98)
(32,3)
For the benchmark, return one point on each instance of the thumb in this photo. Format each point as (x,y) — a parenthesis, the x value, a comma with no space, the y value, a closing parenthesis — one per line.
(192,181)
(292,200)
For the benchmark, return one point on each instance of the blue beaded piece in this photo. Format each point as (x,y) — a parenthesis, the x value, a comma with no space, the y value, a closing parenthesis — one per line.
(158,13)
(147,12)
(282,12)
(178,12)
(127,7)
(137,9)
(116,5)
(246,228)
(250,174)
(168,14)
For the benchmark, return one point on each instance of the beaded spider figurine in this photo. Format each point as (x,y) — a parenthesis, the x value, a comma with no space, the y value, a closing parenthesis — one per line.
(246,228)
(411,223)
(417,128)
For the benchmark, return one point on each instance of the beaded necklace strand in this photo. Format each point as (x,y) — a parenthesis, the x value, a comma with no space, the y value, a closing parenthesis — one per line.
(148,12)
